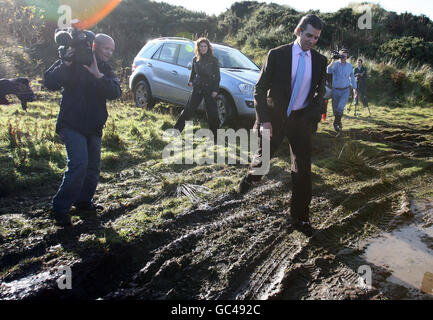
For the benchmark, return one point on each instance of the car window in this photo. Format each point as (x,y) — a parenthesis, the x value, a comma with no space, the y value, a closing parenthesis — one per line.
(186,54)
(148,50)
(169,52)
(157,53)
(232,58)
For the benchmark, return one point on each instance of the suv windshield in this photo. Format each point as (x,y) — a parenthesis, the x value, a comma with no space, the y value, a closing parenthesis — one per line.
(233,59)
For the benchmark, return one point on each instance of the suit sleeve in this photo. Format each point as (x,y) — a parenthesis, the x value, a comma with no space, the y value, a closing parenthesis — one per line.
(322,83)
(321,90)
(263,85)
(57,76)
(109,86)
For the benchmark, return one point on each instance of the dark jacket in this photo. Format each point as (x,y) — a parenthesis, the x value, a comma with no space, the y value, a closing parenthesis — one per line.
(275,82)
(83,107)
(360,74)
(205,73)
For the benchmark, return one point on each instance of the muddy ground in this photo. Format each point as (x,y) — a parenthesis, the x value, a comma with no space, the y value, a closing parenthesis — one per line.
(230,247)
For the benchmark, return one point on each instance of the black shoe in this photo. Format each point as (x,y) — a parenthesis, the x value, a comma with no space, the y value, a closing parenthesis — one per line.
(304,227)
(86,206)
(62,219)
(338,126)
(244,186)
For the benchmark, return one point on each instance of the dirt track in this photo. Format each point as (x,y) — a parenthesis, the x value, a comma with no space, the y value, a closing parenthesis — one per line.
(232,248)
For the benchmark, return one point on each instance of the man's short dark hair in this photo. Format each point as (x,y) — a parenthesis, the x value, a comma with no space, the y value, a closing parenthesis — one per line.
(346,51)
(311,19)
(360,60)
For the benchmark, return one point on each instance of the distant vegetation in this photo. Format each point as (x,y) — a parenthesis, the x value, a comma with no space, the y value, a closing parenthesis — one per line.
(399,48)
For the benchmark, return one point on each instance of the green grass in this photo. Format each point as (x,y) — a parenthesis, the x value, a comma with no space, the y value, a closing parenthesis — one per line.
(365,159)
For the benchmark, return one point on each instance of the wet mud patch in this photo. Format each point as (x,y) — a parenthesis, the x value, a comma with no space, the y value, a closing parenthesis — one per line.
(249,251)
(231,248)
(407,253)
(150,243)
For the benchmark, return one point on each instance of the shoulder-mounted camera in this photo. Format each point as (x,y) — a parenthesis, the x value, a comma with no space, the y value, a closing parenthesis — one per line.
(336,55)
(80,40)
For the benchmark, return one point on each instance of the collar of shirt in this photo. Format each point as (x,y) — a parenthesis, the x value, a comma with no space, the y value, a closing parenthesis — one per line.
(297,49)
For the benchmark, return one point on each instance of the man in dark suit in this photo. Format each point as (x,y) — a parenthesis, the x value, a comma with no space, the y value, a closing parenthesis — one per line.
(287,100)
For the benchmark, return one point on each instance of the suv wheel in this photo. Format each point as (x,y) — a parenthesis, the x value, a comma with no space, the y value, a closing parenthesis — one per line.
(142,95)
(226,109)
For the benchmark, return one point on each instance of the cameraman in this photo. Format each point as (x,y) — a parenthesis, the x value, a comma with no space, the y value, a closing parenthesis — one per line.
(342,80)
(82,116)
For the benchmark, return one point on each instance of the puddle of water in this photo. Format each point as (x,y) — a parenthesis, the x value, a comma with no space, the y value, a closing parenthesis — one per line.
(406,253)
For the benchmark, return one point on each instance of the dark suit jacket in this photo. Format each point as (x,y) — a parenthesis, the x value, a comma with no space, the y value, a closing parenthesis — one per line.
(275,82)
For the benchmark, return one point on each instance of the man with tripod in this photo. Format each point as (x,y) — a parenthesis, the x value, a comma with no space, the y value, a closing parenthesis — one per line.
(360,73)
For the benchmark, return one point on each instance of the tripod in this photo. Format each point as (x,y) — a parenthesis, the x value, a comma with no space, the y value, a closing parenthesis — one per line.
(352,98)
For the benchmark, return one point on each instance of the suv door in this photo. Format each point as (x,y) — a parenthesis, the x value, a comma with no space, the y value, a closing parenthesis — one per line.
(183,69)
(163,81)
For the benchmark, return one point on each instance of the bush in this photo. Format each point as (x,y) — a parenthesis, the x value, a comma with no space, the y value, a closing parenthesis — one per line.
(408,50)
(389,84)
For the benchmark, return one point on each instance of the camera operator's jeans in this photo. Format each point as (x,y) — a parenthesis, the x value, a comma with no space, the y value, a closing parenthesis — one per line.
(81,178)
(339,100)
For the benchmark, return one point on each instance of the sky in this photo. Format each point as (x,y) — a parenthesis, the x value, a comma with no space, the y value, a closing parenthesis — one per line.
(216,7)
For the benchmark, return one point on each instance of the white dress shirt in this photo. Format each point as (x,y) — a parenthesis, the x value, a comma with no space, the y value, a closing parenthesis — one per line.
(301,102)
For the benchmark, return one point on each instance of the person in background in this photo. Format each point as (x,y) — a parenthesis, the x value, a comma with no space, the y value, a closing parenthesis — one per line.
(82,116)
(204,80)
(360,73)
(342,80)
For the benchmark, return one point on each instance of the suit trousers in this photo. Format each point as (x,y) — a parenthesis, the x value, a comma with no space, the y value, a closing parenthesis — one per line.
(198,94)
(298,129)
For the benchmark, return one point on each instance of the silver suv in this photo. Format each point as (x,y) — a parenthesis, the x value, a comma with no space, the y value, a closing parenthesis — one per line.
(161,70)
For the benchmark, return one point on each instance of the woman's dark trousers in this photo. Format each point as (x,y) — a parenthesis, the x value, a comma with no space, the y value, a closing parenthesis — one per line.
(196,98)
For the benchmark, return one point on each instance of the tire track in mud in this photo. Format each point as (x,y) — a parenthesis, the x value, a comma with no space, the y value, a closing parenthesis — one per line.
(402,139)
(268,276)
(244,248)
(288,261)
(199,230)
(275,261)
(271,257)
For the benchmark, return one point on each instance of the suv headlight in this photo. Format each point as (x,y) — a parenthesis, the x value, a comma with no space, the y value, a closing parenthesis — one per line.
(246,88)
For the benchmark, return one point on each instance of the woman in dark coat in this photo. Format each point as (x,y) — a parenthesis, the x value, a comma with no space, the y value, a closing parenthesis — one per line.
(204,79)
